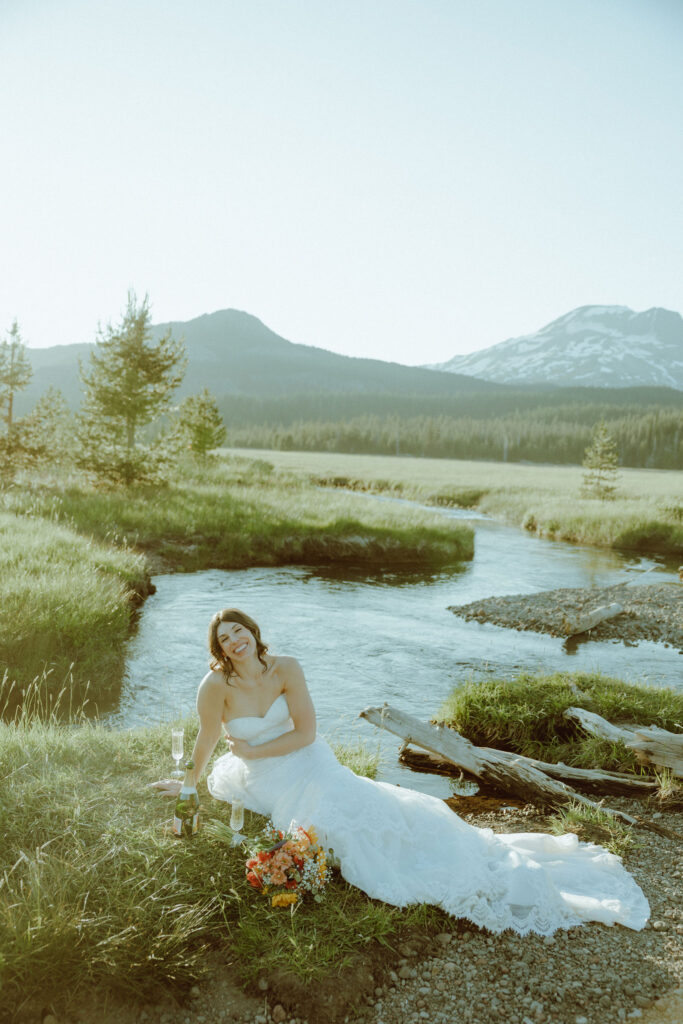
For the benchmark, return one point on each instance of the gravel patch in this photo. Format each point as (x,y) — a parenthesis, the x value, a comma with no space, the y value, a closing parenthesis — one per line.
(651,612)
(588,975)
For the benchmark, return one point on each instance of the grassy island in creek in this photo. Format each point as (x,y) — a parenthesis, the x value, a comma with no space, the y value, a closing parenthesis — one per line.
(74,561)
(646,514)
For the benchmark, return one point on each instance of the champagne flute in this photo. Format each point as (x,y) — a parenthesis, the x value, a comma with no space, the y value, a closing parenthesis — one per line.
(177,751)
(237,821)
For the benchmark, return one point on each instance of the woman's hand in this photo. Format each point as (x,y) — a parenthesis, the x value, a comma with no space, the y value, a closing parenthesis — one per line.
(241,749)
(167,787)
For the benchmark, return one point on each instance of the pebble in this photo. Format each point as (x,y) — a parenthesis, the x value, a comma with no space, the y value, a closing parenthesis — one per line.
(407,973)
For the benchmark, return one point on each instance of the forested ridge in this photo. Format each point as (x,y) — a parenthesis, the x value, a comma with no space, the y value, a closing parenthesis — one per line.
(554,426)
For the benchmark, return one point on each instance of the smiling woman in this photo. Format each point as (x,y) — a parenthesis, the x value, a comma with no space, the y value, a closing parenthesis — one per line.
(276,766)
(232,624)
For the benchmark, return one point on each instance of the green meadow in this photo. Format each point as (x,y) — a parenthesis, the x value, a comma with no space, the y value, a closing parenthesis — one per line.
(646,514)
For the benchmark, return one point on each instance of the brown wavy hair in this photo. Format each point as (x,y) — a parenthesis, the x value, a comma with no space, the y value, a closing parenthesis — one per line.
(219,660)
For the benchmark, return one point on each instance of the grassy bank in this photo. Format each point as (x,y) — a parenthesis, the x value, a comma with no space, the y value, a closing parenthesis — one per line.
(64,598)
(526,715)
(72,556)
(238,513)
(647,514)
(95,891)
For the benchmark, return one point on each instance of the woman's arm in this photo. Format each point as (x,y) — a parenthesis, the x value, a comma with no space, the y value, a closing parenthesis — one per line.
(210,698)
(302,714)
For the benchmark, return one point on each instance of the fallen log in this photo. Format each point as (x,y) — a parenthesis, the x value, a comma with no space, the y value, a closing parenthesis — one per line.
(588,780)
(572,627)
(498,769)
(598,726)
(651,745)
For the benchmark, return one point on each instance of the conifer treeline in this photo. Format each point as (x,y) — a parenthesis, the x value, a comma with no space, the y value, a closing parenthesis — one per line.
(650,438)
(580,405)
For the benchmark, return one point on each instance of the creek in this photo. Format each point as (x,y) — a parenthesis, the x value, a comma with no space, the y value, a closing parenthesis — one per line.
(369,637)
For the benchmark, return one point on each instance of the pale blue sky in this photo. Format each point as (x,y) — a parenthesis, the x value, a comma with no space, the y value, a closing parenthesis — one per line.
(403,179)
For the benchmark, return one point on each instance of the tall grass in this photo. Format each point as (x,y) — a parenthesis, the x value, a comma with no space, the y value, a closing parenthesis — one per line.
(65,600)
(647,514)
(95,891)
(526,715)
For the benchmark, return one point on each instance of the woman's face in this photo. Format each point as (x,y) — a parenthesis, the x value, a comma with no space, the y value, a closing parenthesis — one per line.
(236,641)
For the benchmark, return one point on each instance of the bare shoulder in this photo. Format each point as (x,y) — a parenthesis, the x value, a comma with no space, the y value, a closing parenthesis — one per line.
(212,686)
(289,670)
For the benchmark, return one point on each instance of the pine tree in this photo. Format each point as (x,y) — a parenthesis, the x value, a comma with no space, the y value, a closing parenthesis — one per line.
(601,462)
(49,429)
(130,381)
(15,372)
(199,425)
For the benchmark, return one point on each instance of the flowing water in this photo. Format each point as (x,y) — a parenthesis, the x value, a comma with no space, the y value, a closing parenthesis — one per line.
(366,638)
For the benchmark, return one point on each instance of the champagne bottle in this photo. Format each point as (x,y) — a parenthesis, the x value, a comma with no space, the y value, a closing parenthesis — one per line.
(186,815)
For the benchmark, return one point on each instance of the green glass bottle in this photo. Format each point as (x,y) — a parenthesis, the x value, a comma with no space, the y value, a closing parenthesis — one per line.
(186,814)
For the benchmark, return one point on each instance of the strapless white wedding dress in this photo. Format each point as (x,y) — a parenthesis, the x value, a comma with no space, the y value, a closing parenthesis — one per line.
(403,847)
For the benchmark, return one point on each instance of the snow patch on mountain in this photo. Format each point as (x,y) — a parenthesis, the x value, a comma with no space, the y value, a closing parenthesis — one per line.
(592,346)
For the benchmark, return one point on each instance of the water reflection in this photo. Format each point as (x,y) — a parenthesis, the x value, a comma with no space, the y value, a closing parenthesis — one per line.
(345,576)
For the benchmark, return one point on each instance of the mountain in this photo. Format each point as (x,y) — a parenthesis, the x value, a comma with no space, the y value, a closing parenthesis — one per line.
(234,353)
(593,346)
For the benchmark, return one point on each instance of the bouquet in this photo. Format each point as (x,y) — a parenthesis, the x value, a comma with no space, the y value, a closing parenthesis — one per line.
(286,865)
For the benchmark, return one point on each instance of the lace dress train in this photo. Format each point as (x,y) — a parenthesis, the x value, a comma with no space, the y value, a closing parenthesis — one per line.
(404,847)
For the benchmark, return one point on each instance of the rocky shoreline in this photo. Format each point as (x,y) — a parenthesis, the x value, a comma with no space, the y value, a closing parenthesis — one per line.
(650,612)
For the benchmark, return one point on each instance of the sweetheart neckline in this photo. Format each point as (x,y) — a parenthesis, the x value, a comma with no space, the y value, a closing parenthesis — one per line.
(260,718)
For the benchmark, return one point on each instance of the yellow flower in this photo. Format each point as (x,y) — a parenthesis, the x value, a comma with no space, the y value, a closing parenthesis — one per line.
(283,899)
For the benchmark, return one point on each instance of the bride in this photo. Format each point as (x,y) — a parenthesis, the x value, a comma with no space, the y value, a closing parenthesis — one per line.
(396,844)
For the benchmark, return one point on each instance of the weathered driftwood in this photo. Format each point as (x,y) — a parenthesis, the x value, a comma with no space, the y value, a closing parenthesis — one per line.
(498,769)
(598,726)
(588,780)
(573,627)
(650,744)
